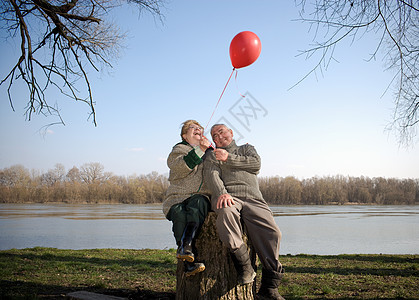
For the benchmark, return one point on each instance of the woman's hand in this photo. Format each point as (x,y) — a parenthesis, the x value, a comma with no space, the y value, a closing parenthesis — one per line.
(204,143)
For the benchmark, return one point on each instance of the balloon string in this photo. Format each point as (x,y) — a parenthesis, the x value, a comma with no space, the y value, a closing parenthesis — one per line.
(237,86)
(220,98)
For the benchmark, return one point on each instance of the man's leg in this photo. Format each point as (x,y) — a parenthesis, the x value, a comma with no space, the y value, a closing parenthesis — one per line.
(265,236)
(229,229)
(263,232)
(228,224)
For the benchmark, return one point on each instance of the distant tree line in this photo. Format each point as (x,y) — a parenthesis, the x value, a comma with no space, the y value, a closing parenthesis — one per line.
(87,184)
(91,184)
(339,190)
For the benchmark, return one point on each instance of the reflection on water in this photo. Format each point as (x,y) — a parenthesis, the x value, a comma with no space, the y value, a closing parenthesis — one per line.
(345,210)
(82,212)
(305,229)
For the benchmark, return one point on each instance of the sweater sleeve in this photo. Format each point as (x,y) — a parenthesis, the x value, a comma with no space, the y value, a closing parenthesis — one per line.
(212,176)
(248,161)
(182,160)
(194,157)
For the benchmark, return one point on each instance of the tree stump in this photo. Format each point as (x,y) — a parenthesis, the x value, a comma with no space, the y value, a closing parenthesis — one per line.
(218,281)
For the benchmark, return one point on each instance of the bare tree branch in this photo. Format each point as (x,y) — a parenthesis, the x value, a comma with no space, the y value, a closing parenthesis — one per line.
(73,35)
(397,22)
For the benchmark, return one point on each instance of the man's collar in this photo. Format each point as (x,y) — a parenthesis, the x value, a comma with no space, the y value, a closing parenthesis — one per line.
(229,146)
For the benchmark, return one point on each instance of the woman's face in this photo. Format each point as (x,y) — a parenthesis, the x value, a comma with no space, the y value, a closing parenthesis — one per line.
(193,135)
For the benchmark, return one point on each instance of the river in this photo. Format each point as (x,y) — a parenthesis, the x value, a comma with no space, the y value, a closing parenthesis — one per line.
(323,230)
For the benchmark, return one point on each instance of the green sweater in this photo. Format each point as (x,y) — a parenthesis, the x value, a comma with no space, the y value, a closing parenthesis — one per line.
(237,176)
(186,174)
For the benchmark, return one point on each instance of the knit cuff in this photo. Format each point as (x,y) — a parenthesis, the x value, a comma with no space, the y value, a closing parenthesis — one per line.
(192,159)
(199,151)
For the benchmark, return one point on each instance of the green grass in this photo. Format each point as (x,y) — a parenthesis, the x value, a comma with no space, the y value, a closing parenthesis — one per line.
(47,273)
(351,276)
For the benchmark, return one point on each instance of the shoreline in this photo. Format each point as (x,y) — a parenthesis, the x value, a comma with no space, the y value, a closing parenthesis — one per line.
(159,203)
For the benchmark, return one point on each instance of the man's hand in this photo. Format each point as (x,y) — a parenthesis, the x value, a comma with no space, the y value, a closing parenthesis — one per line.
(225,200)
(221,154)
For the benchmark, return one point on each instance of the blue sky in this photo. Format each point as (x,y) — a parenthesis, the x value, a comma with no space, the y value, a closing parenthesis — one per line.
(332,124)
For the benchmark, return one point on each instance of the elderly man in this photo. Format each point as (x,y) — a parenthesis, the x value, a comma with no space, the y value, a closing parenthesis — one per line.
(230,173)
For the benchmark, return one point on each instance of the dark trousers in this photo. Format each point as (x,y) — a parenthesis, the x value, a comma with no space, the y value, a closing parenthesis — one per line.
(193,209)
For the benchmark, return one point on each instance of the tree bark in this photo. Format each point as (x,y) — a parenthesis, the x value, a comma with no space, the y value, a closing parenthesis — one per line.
(218,281)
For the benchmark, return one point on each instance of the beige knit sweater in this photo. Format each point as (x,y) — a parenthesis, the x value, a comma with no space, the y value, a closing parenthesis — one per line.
(237,176)
(186,175)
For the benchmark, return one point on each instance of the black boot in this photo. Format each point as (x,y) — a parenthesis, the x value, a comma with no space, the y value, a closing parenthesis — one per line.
(192,268)
(185,251)
(245,272)
(269,285)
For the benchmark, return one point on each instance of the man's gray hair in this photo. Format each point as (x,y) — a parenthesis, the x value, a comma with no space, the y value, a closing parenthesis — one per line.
(215,125)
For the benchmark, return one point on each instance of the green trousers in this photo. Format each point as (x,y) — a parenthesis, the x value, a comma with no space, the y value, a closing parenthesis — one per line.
(193,209)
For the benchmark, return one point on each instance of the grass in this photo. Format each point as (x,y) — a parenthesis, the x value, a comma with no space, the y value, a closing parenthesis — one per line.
(351,276)
(48,273)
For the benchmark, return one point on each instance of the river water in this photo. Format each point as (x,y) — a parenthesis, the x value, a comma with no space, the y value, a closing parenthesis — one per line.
(325,230)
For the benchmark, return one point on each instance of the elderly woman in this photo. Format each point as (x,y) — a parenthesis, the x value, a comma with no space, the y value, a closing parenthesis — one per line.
(187,202)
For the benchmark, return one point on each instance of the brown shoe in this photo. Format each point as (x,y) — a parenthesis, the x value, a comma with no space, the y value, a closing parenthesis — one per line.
(193,268)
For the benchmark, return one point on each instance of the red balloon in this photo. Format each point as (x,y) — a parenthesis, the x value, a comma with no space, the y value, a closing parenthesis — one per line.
(244,49)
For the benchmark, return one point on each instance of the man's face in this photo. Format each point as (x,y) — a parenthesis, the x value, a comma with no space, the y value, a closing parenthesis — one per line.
(222,136)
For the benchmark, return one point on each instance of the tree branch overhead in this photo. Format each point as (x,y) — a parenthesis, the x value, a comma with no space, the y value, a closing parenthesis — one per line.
(73,35)
(397,21)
